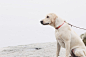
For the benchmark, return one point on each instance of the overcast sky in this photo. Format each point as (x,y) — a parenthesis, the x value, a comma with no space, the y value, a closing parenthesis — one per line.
(20,19)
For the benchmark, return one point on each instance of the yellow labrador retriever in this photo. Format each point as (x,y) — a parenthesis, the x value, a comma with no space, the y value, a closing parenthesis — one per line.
(65,36)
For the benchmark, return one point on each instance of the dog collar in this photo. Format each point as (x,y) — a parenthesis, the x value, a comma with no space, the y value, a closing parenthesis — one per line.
(60,26)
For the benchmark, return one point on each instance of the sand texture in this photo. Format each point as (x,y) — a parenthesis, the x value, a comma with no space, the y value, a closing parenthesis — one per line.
(32,50)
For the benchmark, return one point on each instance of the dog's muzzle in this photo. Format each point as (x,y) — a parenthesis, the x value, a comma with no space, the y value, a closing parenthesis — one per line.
(43,23)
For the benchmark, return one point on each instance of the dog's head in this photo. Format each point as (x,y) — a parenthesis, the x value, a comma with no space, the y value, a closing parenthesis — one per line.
(49,19)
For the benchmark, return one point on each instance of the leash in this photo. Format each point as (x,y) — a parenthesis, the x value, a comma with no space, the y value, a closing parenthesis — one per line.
(75,26)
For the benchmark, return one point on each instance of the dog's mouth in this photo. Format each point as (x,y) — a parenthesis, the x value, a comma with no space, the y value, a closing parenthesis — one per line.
(44,23)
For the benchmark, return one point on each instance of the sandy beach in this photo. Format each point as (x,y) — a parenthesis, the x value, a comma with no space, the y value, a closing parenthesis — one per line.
(32,50)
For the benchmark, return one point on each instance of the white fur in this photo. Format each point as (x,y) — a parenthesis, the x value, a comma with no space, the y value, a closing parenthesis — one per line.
(65,36)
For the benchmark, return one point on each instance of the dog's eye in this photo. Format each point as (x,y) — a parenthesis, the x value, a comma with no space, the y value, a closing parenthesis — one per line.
(47,16)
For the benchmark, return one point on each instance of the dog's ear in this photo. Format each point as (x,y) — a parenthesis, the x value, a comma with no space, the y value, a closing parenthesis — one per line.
(54,18)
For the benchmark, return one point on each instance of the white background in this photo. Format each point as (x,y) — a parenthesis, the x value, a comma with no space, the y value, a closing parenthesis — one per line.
(20,19)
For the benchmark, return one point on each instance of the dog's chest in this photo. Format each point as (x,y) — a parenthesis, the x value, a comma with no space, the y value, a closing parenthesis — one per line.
(60,38)
(61,42)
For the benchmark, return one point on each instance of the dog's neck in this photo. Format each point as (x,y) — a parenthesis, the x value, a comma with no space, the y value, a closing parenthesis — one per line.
(59,26)
(58,22)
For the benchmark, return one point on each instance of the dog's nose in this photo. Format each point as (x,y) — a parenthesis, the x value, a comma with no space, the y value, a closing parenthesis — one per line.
(41,22)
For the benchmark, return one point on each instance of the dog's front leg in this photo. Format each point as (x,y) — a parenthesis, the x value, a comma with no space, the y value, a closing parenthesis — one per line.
(58,49)
(67,46)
